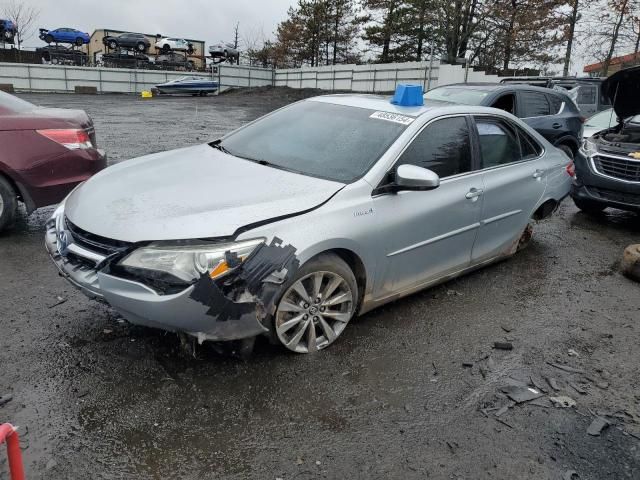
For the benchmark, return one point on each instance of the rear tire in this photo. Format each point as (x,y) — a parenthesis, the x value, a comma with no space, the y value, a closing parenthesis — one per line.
(588,206)
(8,204)
(567,149)
(48,38)
(317,305)
(141,47)
(79,42)
(113,45)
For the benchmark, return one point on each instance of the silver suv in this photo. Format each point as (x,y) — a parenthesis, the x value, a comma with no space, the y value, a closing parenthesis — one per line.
(295,223)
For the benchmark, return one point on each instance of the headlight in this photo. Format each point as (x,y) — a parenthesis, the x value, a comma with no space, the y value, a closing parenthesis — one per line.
(588,148)
(189,262)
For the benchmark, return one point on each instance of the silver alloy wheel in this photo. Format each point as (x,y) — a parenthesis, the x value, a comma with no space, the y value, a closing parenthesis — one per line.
(314,311)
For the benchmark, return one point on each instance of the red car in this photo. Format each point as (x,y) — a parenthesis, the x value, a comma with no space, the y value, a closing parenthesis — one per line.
(44,154)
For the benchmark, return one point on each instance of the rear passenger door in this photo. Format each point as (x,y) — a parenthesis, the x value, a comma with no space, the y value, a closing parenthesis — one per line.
(514,177)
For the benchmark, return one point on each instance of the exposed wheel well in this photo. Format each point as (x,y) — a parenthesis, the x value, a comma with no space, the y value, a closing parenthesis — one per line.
(16,190)
(357,267)
(545,210)
(569,143)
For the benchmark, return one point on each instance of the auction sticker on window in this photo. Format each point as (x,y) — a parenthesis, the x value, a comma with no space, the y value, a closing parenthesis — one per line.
(392,117)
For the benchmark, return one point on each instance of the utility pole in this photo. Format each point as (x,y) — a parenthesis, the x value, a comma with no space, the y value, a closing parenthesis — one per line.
(235,42)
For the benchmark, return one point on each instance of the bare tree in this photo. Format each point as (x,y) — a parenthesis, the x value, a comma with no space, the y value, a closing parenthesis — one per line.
(24,16)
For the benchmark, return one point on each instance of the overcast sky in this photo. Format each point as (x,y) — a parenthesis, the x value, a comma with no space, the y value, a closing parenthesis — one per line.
(208,20)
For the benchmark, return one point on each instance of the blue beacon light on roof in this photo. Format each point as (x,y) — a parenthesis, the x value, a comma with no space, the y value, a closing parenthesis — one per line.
(408,96)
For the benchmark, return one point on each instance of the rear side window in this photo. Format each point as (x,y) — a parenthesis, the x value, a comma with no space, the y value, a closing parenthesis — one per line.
(502,142)
(443,146)
(587,94)
(555,103)
(534,104)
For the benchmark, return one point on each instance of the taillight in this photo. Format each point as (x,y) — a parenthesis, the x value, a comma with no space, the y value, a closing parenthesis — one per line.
(571,169)
(72,138)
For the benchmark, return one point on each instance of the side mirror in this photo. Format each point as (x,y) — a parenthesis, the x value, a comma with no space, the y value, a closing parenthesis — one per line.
(412,177)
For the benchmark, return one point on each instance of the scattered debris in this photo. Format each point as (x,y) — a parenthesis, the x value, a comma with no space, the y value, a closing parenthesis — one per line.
(453,446)
(454,292)
(538,384)
(504,409)
(630,264)
(540,402)
(59,301)
(51,464)
(553,383)
(506,328)
(521,394)
(566,368)
(317,462)
(299,461)
(578,388)
(573,353)
(107,331)
(503,422)
(570,475)
(467,364)
(503,345)
(598,424)
(602,385)
(563,401)
(5,399)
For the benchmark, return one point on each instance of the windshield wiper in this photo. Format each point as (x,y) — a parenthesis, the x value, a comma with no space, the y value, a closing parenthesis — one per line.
(218,145)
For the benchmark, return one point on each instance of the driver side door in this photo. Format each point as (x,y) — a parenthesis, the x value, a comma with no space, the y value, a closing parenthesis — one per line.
(430,234)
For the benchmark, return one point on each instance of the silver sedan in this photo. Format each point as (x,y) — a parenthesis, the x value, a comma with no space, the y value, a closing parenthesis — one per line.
(294,224)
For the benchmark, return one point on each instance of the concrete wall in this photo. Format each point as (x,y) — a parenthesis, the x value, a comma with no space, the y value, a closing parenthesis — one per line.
(54,78)
(357,78)
(376,78)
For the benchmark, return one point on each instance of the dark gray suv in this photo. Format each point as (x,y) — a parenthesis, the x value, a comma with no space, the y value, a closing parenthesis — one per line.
(551,113)
(129,41)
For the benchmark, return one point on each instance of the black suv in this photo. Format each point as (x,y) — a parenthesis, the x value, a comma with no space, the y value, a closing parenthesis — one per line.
(129,41)
(551,113)
(608,163)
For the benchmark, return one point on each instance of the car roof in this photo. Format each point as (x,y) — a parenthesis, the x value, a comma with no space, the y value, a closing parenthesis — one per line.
(376,102)
(383,103)
(492,87)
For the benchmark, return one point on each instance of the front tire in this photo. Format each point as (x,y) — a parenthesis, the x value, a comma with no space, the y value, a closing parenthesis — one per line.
(8,204)
(113,45)
(141,47)
(588,206)
(317,305)
(48,38)
(79,42)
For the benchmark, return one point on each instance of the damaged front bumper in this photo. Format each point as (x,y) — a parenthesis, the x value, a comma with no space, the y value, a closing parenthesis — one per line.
(200,310)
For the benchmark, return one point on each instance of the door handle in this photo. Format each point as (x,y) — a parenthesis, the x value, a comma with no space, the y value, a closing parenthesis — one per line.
(556,125)
(474,193)
(538,174)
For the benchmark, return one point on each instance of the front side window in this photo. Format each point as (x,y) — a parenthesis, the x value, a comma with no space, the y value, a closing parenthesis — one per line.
(444,147)
(318,139)
(535,104)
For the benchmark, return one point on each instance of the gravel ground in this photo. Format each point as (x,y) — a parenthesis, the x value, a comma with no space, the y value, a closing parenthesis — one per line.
(411,390)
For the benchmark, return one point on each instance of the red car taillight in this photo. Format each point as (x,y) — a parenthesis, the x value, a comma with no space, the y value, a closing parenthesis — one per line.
(571,169)
(72,138)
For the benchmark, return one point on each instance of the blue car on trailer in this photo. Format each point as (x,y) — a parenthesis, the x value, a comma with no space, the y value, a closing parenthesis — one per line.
(64,35)
(7,31)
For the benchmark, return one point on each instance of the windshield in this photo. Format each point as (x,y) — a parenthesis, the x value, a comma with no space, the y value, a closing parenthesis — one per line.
(464,96)
(319,139)
(11,104)
(602,119)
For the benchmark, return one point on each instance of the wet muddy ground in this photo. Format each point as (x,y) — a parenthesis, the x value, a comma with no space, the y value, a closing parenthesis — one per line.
(412,390)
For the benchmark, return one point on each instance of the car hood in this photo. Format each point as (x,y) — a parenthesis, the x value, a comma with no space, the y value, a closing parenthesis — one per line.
(194,192)
(623,89)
